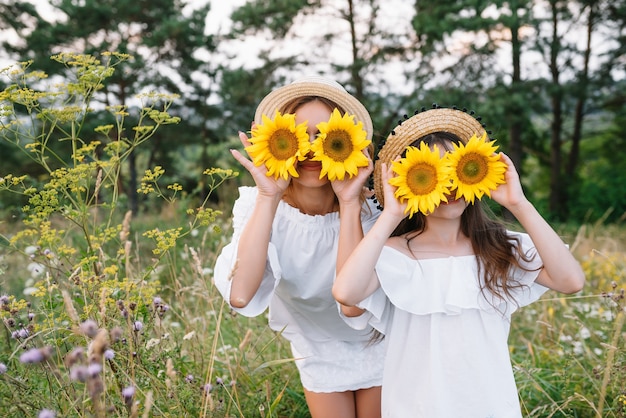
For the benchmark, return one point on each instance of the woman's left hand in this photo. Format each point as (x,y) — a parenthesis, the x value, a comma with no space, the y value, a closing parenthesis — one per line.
(350,189)
(510,193)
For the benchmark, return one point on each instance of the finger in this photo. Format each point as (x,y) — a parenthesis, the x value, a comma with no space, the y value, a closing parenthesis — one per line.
(242,160)
(244,139)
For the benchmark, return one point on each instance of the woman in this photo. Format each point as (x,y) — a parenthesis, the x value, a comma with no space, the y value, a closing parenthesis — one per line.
(283,255)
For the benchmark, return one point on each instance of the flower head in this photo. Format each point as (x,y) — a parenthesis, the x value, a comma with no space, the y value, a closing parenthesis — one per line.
(422,179)
(339,146)
(476,169)
(36,355)
(46,413)
(279,144)
(128,392)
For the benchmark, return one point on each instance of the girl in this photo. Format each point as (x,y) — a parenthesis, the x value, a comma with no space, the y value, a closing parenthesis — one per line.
(284,255)
(442,287)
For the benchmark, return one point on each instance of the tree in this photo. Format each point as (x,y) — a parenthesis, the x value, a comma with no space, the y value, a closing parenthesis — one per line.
(165,43)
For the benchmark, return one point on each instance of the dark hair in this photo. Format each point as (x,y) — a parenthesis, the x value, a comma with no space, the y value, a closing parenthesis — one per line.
(495,249)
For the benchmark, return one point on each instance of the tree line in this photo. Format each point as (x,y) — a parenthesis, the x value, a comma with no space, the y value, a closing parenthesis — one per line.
(545,76)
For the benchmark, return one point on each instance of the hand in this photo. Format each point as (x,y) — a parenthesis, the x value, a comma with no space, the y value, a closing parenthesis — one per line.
(510,193)
(267,185)
(350,189)
(392,206)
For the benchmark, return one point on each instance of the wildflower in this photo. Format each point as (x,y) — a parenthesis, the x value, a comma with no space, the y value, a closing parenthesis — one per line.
(46,413)
(278,144)
(109,354)
(3,368)
(89,328)
(207,388)
(189,378)
(157,301)
(79,373)
(4,300)
(35,355)
(422,179)
(74,356)
(116,334)
(219,381)
(340,146)
(138,326)
(128,393)
(476,169)
(94,369)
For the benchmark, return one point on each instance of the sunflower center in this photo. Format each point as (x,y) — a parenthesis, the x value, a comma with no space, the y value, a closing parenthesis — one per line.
(338,145)
(472,168)
(283,144)
(421,179)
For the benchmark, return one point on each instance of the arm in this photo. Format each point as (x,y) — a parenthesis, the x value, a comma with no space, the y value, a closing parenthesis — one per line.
(561,271)
(350,229)
(357,279)
(254,240)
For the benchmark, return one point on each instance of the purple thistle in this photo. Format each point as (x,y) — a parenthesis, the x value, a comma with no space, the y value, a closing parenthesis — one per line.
(109,354)
(128,392)
(79,373)
(3,368)
(46,413)
(89,328)
(138,326)
(94,369)
(34,355)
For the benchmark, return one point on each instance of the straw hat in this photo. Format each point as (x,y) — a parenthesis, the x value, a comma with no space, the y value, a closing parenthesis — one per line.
(438,119)
(314,86)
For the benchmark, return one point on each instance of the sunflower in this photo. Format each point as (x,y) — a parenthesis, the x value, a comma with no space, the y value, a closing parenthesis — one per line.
(422,179)
(339,146)
(279,143)
(476,168)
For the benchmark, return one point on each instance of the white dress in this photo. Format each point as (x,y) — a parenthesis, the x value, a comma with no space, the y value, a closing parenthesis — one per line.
(447,352)
(299,274)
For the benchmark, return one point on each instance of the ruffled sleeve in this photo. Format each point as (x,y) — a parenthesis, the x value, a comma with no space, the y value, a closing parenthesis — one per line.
(449,285)
(227,260)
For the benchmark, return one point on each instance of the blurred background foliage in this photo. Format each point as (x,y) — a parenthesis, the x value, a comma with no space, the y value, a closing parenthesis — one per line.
(547,77)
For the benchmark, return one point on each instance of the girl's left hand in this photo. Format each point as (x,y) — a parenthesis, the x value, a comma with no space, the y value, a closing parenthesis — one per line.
(510,193)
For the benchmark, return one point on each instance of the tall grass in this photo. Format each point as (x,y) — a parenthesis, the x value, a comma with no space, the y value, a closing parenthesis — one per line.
(109,313)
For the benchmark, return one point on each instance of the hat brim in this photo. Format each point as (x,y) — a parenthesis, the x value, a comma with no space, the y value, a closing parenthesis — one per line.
(453,121)
(314,86)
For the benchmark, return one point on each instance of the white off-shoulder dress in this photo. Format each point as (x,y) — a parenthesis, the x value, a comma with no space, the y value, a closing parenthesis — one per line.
(447,351)
(296,286)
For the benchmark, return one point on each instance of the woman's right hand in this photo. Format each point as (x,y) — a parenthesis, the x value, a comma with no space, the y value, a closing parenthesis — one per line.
(267,185)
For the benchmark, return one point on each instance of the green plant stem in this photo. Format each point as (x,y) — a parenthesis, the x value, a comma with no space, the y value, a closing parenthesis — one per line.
(610,358)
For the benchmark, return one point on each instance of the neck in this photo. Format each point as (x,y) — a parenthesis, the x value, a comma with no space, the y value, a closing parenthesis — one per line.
(311,200)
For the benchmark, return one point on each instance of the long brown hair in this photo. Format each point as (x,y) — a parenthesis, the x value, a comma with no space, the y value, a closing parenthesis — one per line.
(497,252)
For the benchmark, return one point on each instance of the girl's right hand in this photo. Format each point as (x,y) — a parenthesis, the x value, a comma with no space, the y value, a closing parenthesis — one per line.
(267,185)
(392,206)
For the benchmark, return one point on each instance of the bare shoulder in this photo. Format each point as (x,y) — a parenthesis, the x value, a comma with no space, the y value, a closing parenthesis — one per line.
(399,244)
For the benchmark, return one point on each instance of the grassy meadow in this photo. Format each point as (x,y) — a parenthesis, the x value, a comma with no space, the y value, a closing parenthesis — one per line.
(170,337)
(106,313)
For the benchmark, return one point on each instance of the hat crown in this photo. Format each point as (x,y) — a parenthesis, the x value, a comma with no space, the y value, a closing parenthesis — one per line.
(319,80)
(314,86)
